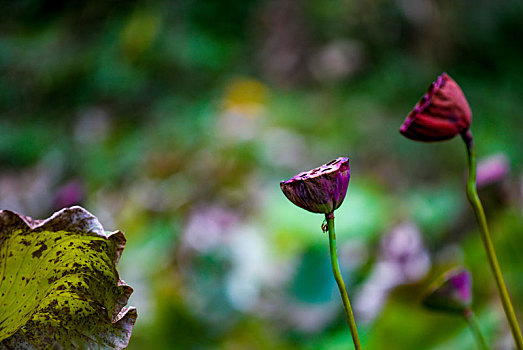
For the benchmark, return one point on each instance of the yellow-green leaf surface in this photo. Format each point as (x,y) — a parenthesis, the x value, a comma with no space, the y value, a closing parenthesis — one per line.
(59,288)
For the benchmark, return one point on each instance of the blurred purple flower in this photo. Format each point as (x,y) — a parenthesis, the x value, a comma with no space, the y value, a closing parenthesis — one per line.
(440,115)
(72,193)
(492,170)
(452,292)
(320,190)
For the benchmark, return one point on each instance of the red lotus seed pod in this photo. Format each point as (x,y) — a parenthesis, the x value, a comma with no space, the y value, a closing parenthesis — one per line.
(452,292)
(440,115)
(320,190)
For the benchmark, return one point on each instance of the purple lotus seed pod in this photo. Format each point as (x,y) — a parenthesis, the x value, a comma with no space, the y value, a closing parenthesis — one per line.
(440,115)
(452,292)
(320,190)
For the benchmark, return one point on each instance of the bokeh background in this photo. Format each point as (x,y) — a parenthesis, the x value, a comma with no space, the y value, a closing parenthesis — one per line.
(175,121)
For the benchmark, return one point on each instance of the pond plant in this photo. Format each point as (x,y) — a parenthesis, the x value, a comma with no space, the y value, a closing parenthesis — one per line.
(60,288)
(322,190)
(441,114)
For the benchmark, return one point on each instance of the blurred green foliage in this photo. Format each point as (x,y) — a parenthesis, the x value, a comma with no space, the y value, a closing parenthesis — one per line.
(180,118)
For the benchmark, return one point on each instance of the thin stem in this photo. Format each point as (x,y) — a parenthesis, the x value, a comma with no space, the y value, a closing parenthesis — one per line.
(473,324)
(475,202)
(339,281)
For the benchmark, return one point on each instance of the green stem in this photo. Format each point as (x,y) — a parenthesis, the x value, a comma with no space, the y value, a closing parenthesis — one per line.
(473,324)
(339,281)
(473,197)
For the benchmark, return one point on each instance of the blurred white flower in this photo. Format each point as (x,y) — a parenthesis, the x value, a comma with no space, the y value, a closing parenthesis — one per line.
(338,60)
(208,227)
(403,259)
(92,125)
(284,148)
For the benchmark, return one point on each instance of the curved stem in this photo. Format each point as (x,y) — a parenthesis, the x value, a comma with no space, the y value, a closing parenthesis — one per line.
(475,202)
(339,281)
(473,324)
